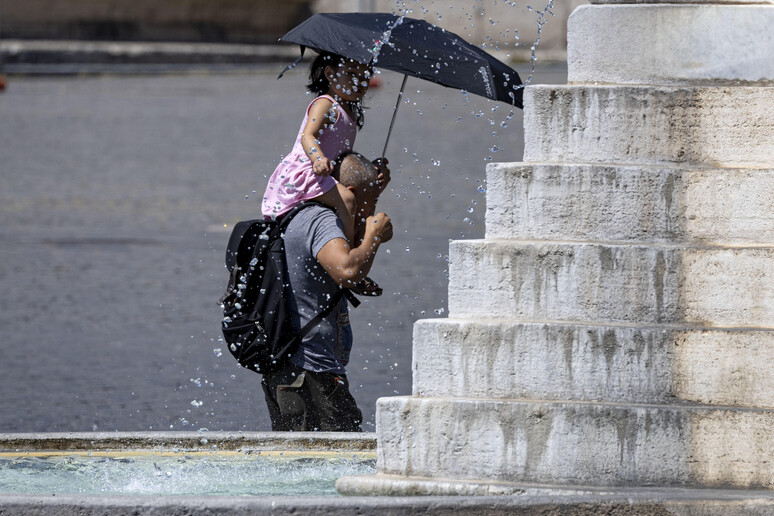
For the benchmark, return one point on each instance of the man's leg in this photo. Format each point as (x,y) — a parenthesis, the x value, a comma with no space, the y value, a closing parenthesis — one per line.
(333,406)
(285,395)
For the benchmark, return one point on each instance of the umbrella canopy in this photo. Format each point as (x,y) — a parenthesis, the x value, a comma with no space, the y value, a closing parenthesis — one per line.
(412,47)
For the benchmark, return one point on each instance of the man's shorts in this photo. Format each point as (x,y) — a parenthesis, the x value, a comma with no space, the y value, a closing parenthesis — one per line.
(305,401)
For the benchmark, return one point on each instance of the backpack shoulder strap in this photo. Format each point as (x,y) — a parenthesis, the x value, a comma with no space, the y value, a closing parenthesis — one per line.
(353,300)
(286,218)
(298,337)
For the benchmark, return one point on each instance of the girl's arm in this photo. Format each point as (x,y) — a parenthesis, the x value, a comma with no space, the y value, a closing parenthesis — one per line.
(321,114)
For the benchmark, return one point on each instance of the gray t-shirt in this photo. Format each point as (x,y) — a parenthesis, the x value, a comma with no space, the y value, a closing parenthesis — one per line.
(326,347)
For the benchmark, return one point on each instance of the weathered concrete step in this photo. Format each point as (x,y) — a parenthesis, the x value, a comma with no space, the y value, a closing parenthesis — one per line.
(545,281)
(597,444)
(629,203)
(714,126)
(507,359)
(670,43)
(589,500)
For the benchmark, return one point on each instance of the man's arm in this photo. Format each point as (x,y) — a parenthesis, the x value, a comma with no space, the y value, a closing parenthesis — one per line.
(346,265)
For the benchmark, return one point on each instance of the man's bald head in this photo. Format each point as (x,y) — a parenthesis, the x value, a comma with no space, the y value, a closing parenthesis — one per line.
(356,171)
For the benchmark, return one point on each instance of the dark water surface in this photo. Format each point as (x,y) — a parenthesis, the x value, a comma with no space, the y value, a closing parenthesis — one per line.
(114,193)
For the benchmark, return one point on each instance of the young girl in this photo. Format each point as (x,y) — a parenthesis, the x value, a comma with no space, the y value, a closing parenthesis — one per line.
(328,129)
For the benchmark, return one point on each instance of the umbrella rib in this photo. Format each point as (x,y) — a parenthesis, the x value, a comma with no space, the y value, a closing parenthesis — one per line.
(394,114)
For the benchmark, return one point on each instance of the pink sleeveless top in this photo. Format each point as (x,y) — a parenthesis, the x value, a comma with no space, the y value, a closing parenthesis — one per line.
(294,180)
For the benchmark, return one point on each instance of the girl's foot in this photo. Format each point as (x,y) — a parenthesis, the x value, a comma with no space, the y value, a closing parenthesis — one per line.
(367,287)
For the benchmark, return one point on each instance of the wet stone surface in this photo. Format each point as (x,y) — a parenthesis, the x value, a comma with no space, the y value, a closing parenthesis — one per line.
(114,193)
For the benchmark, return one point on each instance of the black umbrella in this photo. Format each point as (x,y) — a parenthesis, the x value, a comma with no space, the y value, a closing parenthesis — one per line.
(411,47)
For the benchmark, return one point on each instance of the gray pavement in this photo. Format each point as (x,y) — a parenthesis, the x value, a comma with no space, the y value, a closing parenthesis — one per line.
(116,197)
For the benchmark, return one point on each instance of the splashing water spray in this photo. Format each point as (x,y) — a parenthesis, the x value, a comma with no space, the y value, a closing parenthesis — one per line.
(542,19)
(402,9)
(376,50)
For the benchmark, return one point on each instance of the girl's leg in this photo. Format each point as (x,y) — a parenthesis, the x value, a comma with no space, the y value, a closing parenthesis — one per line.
(343,201)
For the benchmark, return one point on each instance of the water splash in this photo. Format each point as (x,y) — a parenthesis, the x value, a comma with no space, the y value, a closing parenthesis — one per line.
(182,474)
(385,39)
(541,21)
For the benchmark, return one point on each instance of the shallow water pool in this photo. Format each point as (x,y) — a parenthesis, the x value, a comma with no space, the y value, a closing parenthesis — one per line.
(202,473)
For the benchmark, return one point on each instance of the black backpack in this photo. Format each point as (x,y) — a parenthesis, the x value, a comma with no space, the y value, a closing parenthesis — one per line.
(256,320)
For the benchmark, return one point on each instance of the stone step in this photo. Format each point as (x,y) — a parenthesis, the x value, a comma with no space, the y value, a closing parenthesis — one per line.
(601,444)
(507,359)
(536,201)
(509,498)
(670,43)
(579,282)
(711,126)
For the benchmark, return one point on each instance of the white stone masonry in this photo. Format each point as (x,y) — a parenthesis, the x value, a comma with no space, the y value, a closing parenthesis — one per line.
(615,328)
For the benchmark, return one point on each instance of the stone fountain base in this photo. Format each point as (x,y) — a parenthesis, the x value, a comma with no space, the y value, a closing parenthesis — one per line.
(612,336)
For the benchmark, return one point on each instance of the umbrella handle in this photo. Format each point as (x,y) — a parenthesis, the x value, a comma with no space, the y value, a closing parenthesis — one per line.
(394,114)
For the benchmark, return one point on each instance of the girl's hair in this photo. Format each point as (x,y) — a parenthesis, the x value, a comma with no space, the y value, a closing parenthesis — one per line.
(320,85)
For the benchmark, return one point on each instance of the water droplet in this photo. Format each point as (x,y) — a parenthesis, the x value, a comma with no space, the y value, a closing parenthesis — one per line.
(217,352)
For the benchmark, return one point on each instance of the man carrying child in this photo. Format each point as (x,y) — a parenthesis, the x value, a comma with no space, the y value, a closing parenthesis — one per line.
(311,392)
